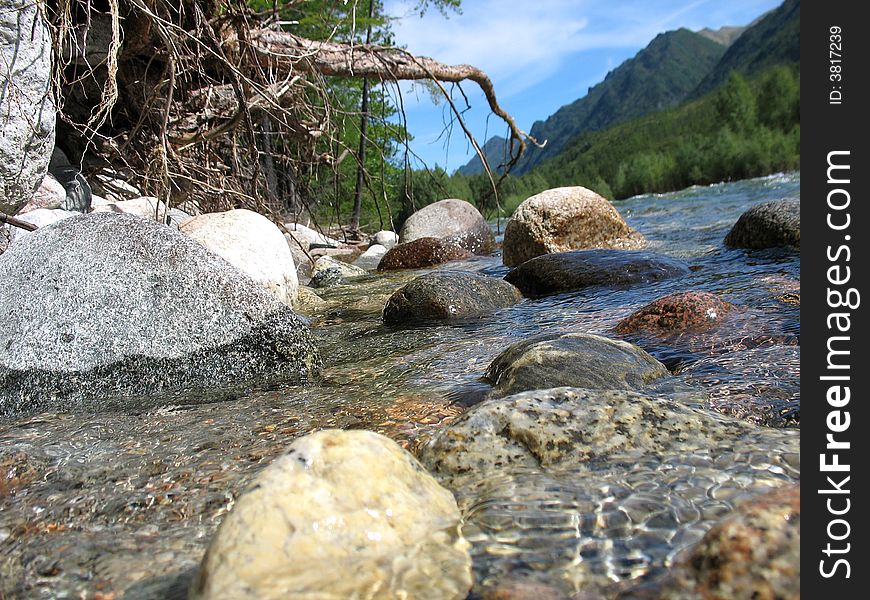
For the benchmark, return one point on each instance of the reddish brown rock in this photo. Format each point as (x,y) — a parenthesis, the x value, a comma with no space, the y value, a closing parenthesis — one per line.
(422,252)
(754,553)
(677,312)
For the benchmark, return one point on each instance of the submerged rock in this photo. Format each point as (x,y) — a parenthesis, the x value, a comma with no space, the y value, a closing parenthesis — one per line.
(563,219)
(447,295)
(451,219)
(104,304)
(343,514)
(576,360)
(329,272)
(677,312)
(619,479)
(754,553)
(251,243)
(768,225)
(571,271)
(422,252)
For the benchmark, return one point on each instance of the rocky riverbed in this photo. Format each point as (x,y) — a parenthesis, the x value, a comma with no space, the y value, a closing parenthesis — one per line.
(567,484)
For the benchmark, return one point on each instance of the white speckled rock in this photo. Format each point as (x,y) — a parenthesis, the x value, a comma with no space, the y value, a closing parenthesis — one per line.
(145,207)
(251,243)
(40,217)
(371,258)
(343,514)
(387,239)
(563,219)
(27,113)
(452,219)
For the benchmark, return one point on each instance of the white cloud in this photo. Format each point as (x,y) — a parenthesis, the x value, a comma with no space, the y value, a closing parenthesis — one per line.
(521,42)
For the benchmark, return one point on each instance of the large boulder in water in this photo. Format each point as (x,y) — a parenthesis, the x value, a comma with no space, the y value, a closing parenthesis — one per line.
(571,271)
(446,295)
(342,514)
(251,243)
(451,219)
(27,112)
(576,360)
(769,225)
(110,304)
(563,219)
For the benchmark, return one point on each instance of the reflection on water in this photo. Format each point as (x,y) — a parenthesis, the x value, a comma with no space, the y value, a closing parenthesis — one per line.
(127,499)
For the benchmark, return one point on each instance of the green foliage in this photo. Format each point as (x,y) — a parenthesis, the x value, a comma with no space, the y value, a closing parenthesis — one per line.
(744,129)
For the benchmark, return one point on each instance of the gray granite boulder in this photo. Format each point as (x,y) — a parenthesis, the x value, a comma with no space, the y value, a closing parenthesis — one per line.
(445,295)
(563,219)
(769,225)
(27,112)
(452,219)
(578,269)
(576,360)
(342,514)
(109,304)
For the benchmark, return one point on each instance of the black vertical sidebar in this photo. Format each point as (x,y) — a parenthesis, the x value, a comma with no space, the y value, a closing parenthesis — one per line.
(835,371)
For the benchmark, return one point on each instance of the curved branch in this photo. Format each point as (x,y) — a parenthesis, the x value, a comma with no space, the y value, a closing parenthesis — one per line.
(284,50)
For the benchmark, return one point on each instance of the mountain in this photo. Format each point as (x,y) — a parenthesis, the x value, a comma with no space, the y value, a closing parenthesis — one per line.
(772,40)
(660,76)
(724,35)
(495,151)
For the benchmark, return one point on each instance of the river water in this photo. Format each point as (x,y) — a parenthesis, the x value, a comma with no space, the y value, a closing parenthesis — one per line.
(121,502)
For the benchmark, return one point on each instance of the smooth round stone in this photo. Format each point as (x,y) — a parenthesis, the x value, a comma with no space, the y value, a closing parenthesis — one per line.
(445,295)
(575,360)
(251,243)
(677,312)
(563,219)
(452,219)
(342,514)
(578,269)
(768,225)
(385,238)
(422,252)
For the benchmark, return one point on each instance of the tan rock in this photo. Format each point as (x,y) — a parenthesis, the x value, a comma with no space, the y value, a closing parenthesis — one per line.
(451,219)
(251,243)
(563,219)
(343,514)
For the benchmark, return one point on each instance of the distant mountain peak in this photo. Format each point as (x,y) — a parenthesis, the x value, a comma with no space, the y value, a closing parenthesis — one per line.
(725,35)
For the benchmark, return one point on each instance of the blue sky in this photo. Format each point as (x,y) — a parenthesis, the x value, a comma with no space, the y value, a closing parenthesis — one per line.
(540,55)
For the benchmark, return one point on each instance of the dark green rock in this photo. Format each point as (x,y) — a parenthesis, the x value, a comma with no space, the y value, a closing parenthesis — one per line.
(770,225)
(578,269)
(445,295)
(576,360)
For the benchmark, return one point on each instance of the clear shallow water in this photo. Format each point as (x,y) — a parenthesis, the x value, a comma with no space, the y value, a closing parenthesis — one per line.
(124,501)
